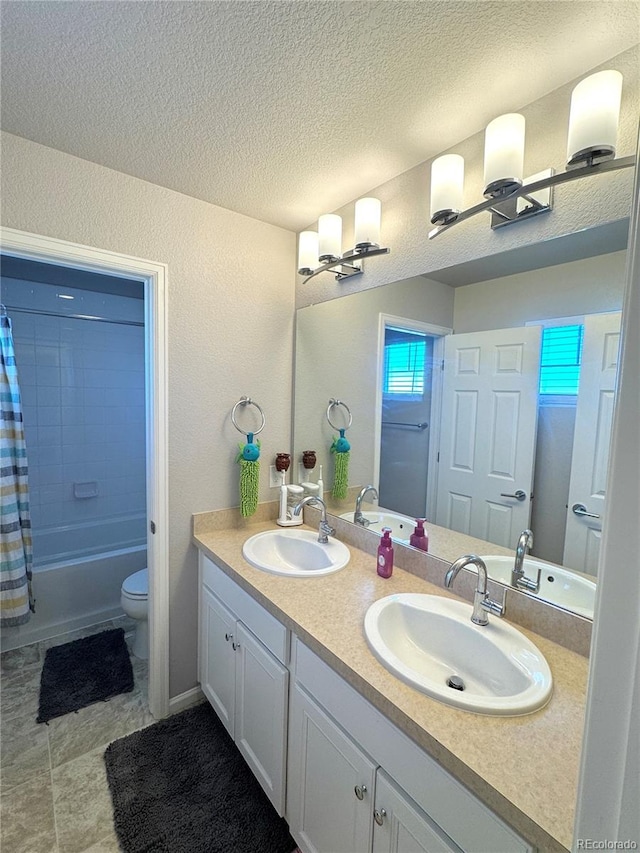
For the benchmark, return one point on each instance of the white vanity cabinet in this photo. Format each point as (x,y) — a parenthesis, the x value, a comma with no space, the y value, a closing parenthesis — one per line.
(242,657)
(331,782)
(413,805)
(400,825)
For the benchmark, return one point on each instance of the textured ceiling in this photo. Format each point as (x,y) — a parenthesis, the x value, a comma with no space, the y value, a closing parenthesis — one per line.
(284,110)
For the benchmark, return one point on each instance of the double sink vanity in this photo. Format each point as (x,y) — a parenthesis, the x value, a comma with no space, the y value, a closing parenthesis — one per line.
(374,713)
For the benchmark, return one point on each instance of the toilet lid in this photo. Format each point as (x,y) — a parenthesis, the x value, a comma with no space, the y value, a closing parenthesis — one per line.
(137,584)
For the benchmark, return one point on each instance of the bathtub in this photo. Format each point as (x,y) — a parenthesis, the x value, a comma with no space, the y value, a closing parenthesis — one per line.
(77,574)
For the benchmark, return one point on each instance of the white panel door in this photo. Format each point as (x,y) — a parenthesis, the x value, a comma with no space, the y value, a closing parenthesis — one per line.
(590,459)
(401,826)
(217,661)
(488,435)
(261,713)
(330,784)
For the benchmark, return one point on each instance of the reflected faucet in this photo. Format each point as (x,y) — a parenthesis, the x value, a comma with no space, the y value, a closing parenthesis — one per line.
(324,530)
(358,517)
(481,601)
(518,578)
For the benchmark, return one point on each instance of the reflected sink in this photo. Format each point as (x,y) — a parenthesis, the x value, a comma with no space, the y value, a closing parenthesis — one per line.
(426,639)
(401,525)
(557,585)
(295,553)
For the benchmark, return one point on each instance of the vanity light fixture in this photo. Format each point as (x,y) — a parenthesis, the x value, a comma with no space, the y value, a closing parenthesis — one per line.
(325,244)
(593,127)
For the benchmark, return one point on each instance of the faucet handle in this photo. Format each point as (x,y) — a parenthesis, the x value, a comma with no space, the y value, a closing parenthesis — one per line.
(492,606)
(526,583)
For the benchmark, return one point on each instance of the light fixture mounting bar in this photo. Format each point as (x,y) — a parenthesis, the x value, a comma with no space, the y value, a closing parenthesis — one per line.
(527,190)
(347,269)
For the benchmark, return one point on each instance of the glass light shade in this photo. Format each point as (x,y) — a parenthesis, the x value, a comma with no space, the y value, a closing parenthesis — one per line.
(367,223)
(503,155)
(307,252)
(447,180)
(329,237)
(593,119)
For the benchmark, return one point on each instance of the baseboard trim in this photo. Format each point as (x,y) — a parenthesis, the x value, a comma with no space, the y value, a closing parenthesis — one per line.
(185,700)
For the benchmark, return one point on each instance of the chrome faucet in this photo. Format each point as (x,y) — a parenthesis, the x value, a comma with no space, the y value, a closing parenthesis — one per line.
(324,530)
(358,517)
(518,578)
(481,601)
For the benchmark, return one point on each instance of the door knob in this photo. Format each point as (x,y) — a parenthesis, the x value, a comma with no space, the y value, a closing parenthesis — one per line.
(519,495)
(581,510)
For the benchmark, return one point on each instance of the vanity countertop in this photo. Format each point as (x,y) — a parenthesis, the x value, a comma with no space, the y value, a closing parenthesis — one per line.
(524,768)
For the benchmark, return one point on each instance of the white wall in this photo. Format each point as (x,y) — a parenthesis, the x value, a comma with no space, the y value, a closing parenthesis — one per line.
(588,286)
(230,322)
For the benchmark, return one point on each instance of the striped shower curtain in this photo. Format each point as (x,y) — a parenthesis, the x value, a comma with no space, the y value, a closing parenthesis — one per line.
(16,556)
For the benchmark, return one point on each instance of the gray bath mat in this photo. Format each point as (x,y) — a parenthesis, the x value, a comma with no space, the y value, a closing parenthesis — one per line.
(82,672)
(181,786)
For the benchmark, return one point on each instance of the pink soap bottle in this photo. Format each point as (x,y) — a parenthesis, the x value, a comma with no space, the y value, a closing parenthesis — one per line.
(419,537)
(385,554)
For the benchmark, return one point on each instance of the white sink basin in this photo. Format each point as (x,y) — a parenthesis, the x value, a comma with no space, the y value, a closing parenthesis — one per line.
(401,525)
(557,585)
(295,553)
(426,639)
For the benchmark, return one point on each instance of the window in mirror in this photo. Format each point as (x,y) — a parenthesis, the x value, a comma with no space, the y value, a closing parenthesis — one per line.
(560,360)
(405,356)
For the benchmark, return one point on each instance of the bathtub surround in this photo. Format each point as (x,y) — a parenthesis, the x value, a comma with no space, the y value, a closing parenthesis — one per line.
(198,794)
(82,672)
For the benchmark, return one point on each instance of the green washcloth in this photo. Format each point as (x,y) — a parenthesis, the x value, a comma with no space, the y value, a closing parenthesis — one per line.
(249,481)
(341,481)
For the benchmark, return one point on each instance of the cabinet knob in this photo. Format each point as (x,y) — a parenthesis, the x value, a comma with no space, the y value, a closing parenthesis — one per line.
(379,816)
(228,636)
(235,646)
(360,791)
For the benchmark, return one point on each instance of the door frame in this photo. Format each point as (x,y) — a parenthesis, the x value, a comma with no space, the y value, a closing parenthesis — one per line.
(439,333)
(51,250)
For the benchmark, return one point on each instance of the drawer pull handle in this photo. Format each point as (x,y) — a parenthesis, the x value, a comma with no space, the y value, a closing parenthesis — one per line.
(379,816)
(360,790)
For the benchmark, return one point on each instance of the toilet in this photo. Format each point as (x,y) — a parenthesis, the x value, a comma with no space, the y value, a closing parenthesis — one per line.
(134,600)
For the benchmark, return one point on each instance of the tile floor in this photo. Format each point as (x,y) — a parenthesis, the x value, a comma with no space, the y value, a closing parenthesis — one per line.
(54,793)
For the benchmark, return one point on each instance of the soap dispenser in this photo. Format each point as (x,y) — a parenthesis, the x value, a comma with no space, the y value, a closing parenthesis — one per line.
(419,538)
(385,554)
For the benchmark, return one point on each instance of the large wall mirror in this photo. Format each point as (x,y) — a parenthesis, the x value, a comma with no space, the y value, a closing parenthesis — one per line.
(481,397)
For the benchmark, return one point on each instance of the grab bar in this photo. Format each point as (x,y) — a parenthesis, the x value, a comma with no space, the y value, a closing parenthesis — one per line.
(421,425)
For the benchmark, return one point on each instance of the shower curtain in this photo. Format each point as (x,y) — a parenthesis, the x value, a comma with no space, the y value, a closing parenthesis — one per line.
(16,556)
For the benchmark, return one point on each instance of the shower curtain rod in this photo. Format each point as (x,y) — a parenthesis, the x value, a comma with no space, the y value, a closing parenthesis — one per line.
(74,316)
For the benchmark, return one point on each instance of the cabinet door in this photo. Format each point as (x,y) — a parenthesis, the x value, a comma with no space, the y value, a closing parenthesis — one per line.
(217,659)
(261,713)
(400,826)
(330,790)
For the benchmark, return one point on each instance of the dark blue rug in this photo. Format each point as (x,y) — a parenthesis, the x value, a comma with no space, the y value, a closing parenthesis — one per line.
(82,672)
(182,786)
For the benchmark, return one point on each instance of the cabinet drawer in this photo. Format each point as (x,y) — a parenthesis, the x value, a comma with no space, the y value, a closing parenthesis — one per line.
(265,626)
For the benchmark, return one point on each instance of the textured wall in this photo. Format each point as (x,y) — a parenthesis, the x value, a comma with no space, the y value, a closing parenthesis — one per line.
(578,205)
(230,321)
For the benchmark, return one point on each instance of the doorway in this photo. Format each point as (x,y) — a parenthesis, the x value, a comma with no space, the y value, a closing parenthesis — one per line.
(30,247)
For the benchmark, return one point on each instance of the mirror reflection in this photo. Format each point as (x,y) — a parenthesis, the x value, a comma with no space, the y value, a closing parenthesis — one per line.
(482,400)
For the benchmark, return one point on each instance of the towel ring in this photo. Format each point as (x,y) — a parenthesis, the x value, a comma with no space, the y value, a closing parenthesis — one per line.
(247,401)
(333,403)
